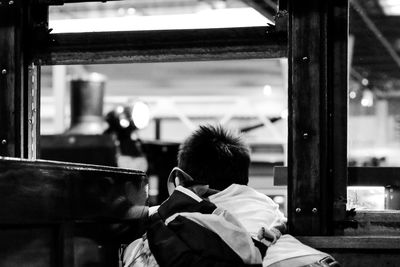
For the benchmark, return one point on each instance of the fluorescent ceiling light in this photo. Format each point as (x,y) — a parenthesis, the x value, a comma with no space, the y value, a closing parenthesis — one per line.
(390,7)
(219,18)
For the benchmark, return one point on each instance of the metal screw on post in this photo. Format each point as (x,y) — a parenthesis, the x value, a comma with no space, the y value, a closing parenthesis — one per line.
(305,136)
(298,210)
(314,210)
(11,2)
(3,71)
(4,142)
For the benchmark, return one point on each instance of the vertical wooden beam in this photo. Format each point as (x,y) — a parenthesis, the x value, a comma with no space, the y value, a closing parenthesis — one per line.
(317,138)
(18,116)
(11,62)
(282,5)
(338,102)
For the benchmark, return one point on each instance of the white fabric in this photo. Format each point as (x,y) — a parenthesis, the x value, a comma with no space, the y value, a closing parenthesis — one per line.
(131,251)
(288,247)
(255,210)
(229,230)
(252,208)
(138,254)
(153,210)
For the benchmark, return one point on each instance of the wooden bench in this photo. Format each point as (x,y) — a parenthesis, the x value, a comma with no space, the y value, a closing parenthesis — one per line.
(64,214)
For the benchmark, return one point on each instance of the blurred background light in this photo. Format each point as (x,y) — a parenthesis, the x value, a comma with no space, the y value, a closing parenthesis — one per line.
(390,7)
(285,114)
(141,115)
(267,90)
(367,98)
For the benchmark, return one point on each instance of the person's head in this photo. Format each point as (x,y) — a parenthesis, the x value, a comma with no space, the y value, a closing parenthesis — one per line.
(214,156)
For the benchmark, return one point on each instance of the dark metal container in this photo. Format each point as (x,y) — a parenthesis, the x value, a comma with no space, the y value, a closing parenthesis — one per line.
(87,94)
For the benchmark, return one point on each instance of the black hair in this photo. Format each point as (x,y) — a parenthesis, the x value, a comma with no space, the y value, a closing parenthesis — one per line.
(214,156)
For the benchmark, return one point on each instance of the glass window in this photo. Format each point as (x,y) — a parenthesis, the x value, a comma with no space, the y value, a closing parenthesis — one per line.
(374,98)
(246,96)
(366,197)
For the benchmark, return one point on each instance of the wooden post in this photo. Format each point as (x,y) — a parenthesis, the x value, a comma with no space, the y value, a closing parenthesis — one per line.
(18,82)
(11,65)
(317,138)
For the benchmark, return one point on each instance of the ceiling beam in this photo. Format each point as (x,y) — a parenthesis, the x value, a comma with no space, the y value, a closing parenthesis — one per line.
(377,33)
(265,7)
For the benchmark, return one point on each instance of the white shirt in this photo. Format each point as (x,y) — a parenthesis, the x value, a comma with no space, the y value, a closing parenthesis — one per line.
(252,208)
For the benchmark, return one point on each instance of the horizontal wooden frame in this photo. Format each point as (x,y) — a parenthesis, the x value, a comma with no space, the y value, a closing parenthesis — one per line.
(162,46)
(368,250)
(352,242)
(61,2)
(374,222)
(357,176)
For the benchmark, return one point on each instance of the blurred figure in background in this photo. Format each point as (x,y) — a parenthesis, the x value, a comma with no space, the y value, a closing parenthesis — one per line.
(121,124)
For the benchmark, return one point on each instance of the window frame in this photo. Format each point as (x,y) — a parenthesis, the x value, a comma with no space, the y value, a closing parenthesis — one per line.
(318,81)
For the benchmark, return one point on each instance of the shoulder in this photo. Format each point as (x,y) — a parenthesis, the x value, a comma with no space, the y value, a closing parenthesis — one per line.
(240,191)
